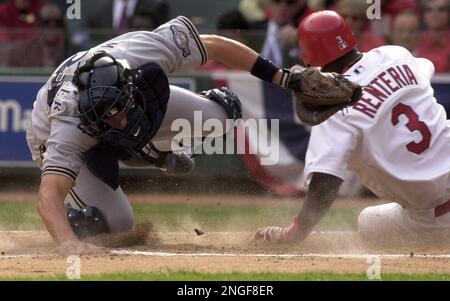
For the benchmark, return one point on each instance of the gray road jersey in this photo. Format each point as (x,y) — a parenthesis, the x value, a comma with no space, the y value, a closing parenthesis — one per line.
(175,46)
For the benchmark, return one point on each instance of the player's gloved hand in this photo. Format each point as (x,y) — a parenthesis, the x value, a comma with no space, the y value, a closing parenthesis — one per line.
(319,95)
(76,247)
(292,233)
(179,163)
(174,163)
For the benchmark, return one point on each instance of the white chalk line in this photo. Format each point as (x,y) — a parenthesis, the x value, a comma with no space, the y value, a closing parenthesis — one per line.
(310,255)
(23,232)
(249,255)
(259,255)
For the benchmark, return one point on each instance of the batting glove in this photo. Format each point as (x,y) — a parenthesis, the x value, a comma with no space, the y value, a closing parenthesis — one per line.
(294,233)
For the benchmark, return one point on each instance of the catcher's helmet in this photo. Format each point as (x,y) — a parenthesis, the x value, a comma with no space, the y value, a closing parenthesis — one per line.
(324,36)
(106,90)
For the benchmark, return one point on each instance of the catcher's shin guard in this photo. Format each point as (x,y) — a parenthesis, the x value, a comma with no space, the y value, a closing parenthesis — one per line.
(227,99)
(88,221)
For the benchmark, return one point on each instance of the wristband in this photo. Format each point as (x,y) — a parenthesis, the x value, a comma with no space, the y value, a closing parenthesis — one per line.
(285,78)
(264,69)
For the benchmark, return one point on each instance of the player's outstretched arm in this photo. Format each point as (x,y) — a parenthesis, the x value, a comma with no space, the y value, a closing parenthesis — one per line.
(318,95)
(322,192)
(238,56)
(52,193)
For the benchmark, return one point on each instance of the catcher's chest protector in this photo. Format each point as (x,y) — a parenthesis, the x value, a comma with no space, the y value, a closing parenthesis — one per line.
(154,83)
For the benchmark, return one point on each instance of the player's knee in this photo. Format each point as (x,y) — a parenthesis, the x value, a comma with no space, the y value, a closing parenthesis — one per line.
(122,223)
(382,224)
(363,220)
(120,217)
(367,221)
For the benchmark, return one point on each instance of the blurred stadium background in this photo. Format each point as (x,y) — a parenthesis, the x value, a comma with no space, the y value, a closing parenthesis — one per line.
(36,35)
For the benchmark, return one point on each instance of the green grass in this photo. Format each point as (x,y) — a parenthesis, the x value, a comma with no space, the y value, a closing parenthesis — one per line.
(183,217)
(19,216)
(191,276)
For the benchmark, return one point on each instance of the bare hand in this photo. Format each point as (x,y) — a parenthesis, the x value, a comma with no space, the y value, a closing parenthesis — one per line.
(271,234)
(74,247)
(293,233)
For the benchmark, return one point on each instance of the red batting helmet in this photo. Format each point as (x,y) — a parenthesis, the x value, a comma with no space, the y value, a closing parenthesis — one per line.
(324,36)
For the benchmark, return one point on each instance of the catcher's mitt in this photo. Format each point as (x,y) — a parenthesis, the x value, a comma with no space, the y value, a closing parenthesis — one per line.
(319,95)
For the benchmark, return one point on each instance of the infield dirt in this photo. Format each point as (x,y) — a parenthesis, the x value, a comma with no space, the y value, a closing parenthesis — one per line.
(29,253)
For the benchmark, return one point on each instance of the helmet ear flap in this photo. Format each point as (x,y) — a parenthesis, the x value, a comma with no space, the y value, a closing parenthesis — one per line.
(84,75)
(81,77)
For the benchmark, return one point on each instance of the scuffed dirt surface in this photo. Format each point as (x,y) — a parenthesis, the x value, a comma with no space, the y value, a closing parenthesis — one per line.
(28,254)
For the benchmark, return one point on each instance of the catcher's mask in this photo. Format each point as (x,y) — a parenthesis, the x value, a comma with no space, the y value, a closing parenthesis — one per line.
(111,108)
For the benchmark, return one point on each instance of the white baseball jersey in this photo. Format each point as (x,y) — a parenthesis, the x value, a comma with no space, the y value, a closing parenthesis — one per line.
(396,138)
(175,46)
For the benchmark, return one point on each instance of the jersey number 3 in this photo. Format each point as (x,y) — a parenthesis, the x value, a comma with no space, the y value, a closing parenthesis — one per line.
(414,124)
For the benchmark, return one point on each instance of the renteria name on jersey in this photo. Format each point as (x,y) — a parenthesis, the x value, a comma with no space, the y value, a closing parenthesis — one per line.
(382,86)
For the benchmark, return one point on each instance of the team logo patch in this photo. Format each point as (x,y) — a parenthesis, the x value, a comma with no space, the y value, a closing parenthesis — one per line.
(181,40)
(360,69)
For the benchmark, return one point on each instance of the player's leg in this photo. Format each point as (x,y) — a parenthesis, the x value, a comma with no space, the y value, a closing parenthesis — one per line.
(392,224)
(384,222)
(186,105)
(113,205)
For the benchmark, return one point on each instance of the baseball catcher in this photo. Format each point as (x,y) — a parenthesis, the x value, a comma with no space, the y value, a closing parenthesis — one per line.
(114,103)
